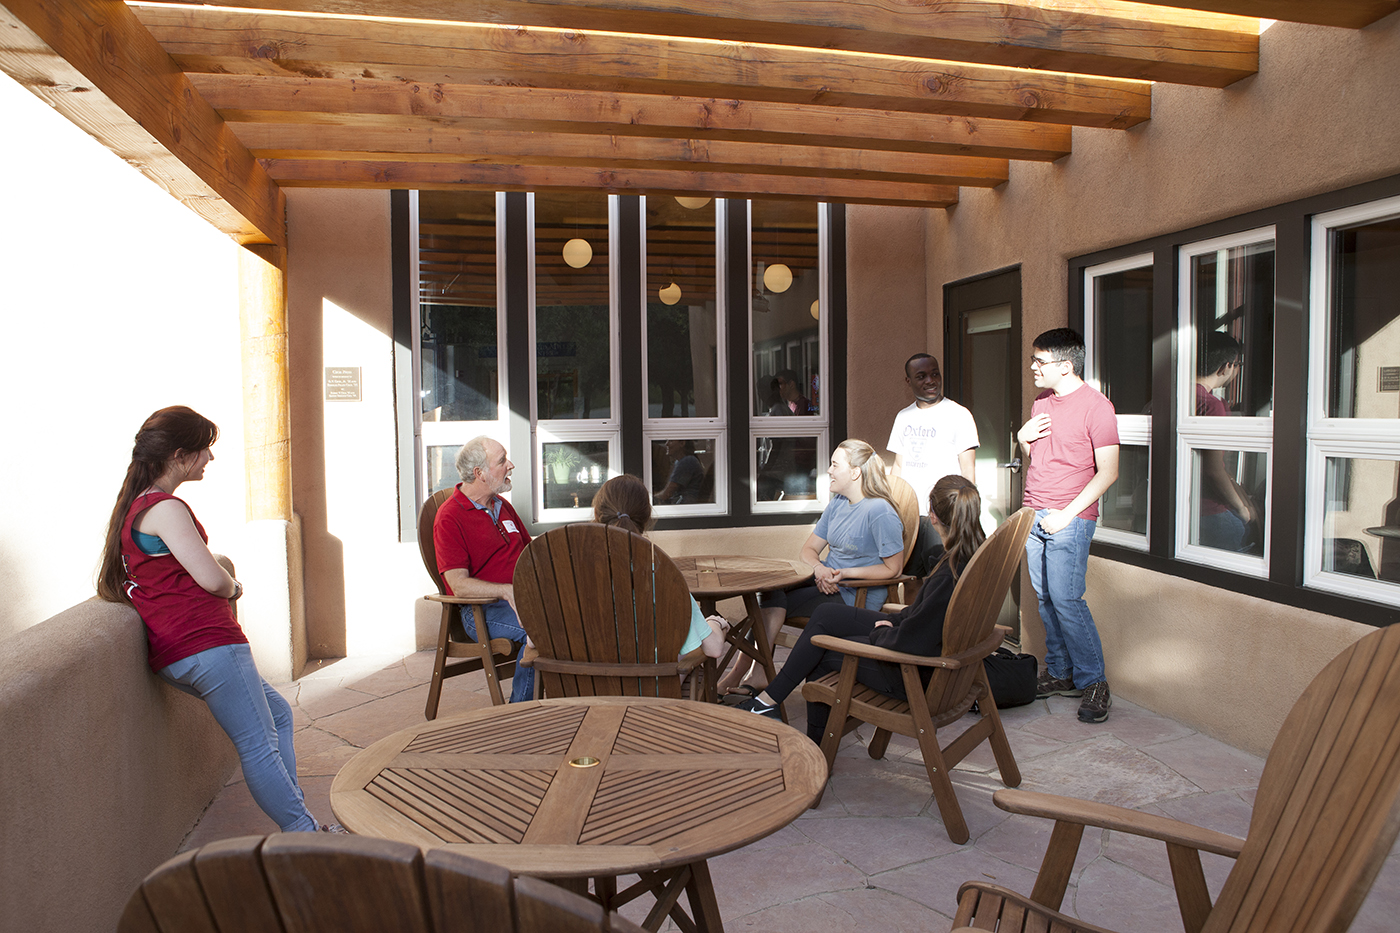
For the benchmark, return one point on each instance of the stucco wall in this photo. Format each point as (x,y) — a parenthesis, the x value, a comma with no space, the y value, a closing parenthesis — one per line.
(887,309)
(103,769)
(116,300)
(363,586)
(1319,116)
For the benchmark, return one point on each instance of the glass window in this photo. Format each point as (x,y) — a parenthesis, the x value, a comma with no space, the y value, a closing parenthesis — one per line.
(787,468)
(1232,317)
(573,323)
(1364,342)
(785,308)
(1123,507)
(1361,520)
(683,470)
(442,467)
(682,324)
(1228,489)
(573,472)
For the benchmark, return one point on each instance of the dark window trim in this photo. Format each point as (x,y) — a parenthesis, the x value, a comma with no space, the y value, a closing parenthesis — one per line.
(403,227)
(1292,244)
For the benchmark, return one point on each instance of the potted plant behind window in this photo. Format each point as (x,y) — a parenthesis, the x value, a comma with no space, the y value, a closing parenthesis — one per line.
(561,460)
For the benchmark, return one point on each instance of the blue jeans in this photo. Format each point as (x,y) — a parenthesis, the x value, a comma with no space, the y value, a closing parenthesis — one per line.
(257,719)
(501,622)
(1057,564)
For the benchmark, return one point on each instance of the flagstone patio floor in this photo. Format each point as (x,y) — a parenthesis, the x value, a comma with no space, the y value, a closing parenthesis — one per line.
(874,855)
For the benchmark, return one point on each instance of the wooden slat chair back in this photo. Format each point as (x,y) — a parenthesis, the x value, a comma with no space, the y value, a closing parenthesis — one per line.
(1325,817)
(957,681)
(309,883)
(906,503)
(494,656)
(607,610)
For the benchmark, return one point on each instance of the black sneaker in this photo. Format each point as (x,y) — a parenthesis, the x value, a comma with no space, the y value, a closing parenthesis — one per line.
(1047,686)
(755,705)
(1094,707)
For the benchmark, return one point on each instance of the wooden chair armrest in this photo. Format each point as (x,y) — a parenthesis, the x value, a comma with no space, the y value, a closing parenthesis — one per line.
(461,600)
(985,904)
(891,608)
(691,660)
(528,653)
(1119,819)
(876,653)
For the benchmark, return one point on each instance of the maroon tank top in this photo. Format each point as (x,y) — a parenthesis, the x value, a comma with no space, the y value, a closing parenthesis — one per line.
(182,618)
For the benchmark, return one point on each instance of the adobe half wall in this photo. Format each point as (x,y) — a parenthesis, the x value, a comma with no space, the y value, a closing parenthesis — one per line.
(1319,116)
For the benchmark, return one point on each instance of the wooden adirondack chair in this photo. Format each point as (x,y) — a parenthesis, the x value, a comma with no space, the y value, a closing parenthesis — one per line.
(970,633)
(906,503)
(495,656)
(1325,818)
(608,613)
(312,883)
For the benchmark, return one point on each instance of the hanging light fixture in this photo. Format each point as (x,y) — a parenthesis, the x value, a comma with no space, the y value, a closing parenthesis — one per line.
(692,204)
(670,294)
(814,310)
(777,277)
(577,253)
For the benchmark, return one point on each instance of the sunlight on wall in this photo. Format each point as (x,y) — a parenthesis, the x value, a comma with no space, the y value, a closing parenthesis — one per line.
(115,300)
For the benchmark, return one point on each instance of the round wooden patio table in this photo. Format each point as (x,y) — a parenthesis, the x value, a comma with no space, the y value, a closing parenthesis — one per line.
(721,576)
(589,787)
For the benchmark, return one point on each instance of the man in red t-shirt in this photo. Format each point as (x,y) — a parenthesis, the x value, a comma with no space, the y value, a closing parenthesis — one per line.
(478,538)
(1071,445)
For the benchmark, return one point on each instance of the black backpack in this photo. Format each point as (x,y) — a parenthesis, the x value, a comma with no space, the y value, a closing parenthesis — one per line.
(1011,676)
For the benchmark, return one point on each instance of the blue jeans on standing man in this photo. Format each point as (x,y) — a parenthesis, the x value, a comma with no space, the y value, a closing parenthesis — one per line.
(1057,564)
(258,720)
(501,622)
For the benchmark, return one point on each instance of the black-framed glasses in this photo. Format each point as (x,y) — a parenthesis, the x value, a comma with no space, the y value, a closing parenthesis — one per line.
(1038,362)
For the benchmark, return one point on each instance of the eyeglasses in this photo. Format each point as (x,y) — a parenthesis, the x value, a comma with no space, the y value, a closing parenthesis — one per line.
(1037,362)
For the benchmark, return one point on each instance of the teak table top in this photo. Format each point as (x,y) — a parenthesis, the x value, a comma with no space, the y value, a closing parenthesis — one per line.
(676,782)
(722,576)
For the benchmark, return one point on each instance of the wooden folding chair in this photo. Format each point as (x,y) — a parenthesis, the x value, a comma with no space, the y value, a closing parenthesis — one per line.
(957,678)
(608,613)
(495,656)
(311,883)
(1325,818)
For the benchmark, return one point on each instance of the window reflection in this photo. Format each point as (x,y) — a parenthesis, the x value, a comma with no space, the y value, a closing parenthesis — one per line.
(1124,505)
(442,467)
(1361,522)
(683,471)
(1229,488)
(573,472)
(682,326)
(787,468)
(1364,367)
(573,329)
(1123,339)
(785,310)
(1232,292)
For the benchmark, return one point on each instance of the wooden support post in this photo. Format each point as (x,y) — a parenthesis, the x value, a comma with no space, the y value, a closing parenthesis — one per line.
(266,403)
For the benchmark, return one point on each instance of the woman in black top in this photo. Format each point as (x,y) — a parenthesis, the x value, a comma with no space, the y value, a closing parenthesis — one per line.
(955,509)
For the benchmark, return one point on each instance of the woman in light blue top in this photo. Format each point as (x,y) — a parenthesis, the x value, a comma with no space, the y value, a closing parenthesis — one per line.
(864,538)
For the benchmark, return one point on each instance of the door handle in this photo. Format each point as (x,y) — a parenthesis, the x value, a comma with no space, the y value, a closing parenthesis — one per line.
(1014,466)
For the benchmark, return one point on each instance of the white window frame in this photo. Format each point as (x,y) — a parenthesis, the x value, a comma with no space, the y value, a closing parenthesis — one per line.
(1201,433)
(455,433)
(818,426)
(1134,430)
(716,428)
(1351,438)
(564,430)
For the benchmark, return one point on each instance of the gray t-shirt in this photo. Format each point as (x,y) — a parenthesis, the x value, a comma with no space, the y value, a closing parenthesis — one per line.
(860,534)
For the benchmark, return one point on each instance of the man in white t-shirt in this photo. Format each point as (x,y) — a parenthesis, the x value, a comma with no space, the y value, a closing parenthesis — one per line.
(932,438)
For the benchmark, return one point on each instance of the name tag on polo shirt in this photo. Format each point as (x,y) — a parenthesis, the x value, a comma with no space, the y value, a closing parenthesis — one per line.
(510,526)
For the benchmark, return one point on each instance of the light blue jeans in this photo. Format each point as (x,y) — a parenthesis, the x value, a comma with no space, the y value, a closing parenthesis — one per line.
(257,719)
(1057,564)
(501,622)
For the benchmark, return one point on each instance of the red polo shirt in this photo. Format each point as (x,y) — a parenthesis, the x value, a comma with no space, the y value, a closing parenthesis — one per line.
(468,538)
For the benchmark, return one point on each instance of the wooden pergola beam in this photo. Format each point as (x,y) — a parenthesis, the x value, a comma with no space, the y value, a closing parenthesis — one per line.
(364,103)
(428,143)
(242,42)
(429,175)
(1352,14)
(93,62)
(1105,38)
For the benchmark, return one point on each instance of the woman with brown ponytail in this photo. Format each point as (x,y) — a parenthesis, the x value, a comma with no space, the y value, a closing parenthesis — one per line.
(955,509)
(624,501)
(157,560)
